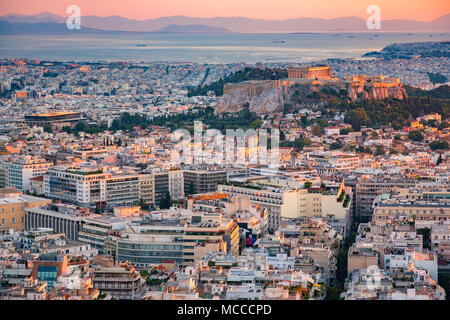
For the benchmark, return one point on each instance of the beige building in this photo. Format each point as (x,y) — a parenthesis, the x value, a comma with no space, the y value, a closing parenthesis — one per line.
(361,258)
(421,206)
(12,209)
(147,188)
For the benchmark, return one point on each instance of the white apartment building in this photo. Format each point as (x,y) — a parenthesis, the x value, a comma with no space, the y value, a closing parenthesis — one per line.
(89,186)
(295,203)
(279,202)
(75,185)
(20,171)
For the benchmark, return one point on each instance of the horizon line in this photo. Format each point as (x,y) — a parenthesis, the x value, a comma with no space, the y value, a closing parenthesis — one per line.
(213,17)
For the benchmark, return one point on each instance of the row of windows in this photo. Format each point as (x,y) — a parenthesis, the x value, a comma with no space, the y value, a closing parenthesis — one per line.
(153,260)
(13,209)
(13,220)
(150,246)
(132,253)
(411,211)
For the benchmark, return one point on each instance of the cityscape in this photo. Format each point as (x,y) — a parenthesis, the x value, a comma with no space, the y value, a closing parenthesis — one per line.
(142,178)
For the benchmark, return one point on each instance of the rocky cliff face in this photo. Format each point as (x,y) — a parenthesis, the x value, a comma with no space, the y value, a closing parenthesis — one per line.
(264,97)
(261,97)
(377,92)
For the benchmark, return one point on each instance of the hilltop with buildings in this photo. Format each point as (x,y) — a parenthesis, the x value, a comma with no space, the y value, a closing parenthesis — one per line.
(303,84)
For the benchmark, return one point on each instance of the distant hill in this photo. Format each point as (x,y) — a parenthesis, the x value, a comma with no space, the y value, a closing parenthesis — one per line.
(193,28)
(45,28)
(241,24)
(61,28)
(41,17)
(435,49)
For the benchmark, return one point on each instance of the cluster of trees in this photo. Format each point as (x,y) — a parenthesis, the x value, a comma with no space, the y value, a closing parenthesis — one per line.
(441,92)
(437,78)
(239,76)
(416,136)
(84,127)
(244,119)
(439,145)
(127,121)
(149,277)
(298,143)
(376,113)
(335,146)
(398,113)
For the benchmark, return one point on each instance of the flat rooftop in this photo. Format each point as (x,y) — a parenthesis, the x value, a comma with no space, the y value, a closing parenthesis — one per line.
(19,199)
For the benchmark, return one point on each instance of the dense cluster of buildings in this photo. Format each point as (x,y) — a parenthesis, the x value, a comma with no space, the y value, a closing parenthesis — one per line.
(399,254)
(91,212)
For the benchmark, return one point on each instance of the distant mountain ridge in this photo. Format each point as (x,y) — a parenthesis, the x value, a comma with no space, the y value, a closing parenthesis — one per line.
(15,28)
(241,24)
(44,28)
(192,28)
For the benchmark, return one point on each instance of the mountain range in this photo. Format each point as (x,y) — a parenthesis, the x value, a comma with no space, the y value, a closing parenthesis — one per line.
(178,24)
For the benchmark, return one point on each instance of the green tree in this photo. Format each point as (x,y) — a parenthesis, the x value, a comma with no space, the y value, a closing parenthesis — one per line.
(256,124)
(143,204)
(439,145)
(357,118)
(307,185)
(48,128)
(332,293)
(165,202)
(335,146)
(415,136)
(379,150)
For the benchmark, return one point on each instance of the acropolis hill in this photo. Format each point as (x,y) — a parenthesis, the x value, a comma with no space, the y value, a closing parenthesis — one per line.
(266,96)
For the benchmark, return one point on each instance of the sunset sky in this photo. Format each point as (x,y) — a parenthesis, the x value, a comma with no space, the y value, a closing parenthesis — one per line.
(424,10)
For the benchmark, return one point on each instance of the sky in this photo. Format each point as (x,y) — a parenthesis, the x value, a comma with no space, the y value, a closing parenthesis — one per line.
(424,10)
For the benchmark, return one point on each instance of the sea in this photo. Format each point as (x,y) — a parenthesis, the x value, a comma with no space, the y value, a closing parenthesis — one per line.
(204,48)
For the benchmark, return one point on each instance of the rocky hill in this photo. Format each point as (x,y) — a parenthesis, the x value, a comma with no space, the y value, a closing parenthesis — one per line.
(265,97)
